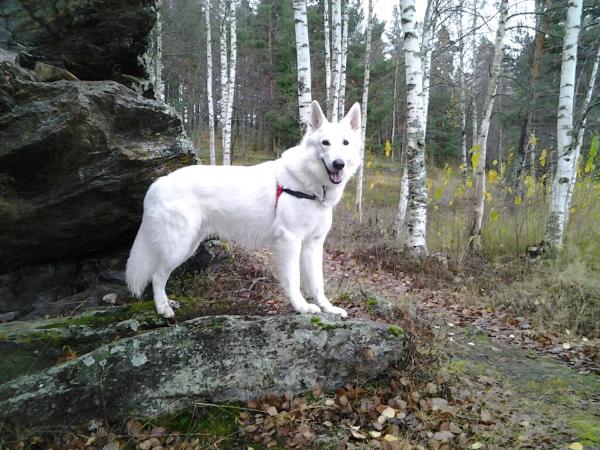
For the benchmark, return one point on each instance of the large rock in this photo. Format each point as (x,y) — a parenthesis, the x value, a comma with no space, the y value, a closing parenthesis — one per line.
(93,39)
(216,358)
(75,161)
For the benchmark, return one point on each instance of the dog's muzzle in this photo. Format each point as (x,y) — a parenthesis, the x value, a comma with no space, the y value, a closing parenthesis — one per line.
(335,176)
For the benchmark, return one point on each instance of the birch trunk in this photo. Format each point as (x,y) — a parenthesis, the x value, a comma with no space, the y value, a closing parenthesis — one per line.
(479,170)
(209,87)
(158,92)
(462,101)
(565,165)
(342,95)
(365,99)
(303,58)
(426,51)
(224,75)
(403,201)
(327,52)
(337,58)
(474,115)
(415,150)
(395,103)
(230,83)
(581,131)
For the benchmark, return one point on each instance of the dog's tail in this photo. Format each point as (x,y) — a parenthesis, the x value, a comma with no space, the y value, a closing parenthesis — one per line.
(141,264)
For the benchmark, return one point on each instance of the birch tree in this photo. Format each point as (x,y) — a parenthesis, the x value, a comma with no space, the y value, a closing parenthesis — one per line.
(228,70)
(209,88)
(462,101)
(415,150)
(334,91)
(581,130)
(156,69)
(426,49)
(224,29)
(565,164)
(326,32)
(342,95)
(303,57)
(480,150)
(365,99)
(474,115)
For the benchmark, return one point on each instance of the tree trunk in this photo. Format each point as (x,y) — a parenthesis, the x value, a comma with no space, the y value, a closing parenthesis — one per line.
(426,50)
(365,99)
(415,152)
(481,147)
(581,131)
(158,92)
(565,165)
(231,83)
(474,115)
(397,64)
(462,101)
(209,88)
(342,95)
(303,58)
(542,25)
(327,34)
(224,76)
(337,57)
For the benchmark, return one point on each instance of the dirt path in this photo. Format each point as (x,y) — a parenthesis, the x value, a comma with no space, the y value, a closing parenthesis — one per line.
(531,400)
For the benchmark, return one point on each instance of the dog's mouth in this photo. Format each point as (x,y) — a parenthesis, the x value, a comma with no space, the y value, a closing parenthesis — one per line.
(335,176)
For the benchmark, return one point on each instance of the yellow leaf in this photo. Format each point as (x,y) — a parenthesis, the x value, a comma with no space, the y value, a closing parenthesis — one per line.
(494,215)
(475,159)
(438,194)
(388,149)
(543,157)
(518,200)
(533,139)
(575,446)
(469,183)
(493,176)
(488,196)
(369,163)
(495,162)
(371,185)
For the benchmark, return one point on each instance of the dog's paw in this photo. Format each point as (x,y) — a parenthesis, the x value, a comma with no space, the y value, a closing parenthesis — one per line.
(309,308)
(174,304)
(166,311)
(335,310)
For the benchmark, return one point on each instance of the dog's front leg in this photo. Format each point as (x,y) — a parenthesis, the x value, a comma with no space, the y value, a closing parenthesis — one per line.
(312,268)
(286,256)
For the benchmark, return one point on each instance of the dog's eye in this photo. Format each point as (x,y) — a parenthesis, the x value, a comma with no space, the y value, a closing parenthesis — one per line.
(346,142)
(325,142)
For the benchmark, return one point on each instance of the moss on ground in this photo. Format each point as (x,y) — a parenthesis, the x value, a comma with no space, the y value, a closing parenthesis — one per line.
(395,331)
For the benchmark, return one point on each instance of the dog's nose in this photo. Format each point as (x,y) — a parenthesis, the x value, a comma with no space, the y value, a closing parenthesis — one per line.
(338,164)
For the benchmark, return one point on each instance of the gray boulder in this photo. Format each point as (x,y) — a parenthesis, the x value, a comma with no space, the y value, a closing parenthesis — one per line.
(76,160)
(93,39)
(216,358)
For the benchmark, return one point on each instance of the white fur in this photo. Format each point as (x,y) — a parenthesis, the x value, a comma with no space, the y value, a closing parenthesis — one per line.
(238,203)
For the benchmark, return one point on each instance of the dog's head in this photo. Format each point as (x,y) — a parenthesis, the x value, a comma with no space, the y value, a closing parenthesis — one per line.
(335,145)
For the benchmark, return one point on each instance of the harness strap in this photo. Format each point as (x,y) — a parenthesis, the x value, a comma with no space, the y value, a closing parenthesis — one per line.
(297,194)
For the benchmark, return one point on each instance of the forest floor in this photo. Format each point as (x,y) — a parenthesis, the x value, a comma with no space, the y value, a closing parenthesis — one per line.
(474,376)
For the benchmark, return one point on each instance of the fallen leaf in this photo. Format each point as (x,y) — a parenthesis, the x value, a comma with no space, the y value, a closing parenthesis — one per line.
(442,436)
(576,446)
(356,434)
(375,434)
(476,445)
(388,412)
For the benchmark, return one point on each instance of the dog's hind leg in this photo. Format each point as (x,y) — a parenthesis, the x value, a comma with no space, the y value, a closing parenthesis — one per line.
(312,270)
(286,256)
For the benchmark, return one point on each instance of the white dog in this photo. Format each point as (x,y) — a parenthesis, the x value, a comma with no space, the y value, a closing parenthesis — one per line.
(285,205)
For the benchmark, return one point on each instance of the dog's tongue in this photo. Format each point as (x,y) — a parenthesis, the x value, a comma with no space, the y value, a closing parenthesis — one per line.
(336,177)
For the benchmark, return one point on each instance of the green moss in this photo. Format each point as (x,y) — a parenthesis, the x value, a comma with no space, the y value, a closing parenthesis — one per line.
(395,331)
(324,326)
(216,426)
(344,297)
(587,428)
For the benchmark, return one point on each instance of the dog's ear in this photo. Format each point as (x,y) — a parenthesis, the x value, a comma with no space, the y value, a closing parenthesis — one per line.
(353,117)
(316,116)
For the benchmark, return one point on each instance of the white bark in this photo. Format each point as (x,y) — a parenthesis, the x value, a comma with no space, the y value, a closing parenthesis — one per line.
(581,131)
(333,107)
(462,101)
(474,115)
(209,86)
(223,15)
(481,148)
(303,58)
(230,83)
(326,31)
(342,95)
(158,91)
(565,165)
(426,51)
(403,201)
(365,99)
(415,151)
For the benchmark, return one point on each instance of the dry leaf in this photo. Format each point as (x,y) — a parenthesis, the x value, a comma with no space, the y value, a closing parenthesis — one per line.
(476,445)
(576,446)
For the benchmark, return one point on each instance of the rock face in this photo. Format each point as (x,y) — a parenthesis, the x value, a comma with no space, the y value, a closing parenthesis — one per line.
(93,39)
(75,162)
(217,358)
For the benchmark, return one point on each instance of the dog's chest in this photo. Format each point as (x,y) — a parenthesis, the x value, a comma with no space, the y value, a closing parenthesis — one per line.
(306,218)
